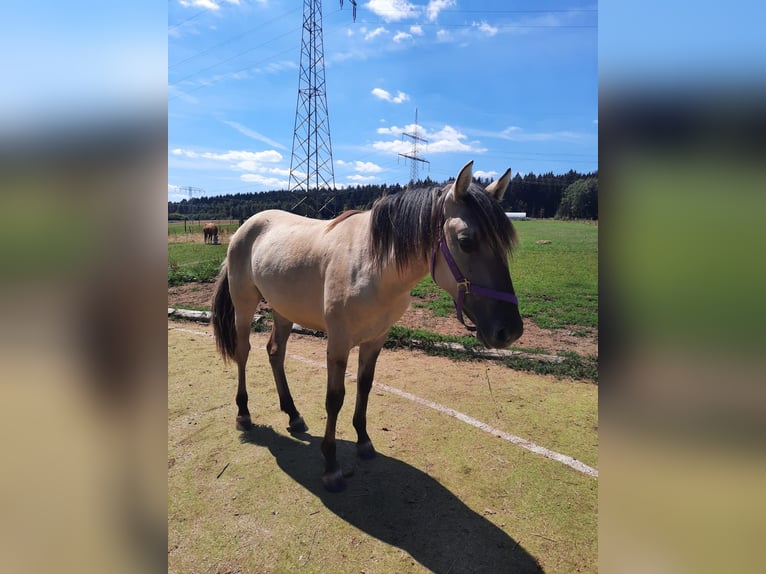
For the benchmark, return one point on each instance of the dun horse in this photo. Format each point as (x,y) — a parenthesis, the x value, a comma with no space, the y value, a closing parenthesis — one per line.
(210,231)
(351,278)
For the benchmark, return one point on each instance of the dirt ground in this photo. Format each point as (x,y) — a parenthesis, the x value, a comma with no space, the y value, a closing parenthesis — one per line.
(551,341)
(441,495)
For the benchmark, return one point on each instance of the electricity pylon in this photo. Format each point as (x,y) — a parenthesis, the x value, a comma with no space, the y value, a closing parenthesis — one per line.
(311,166)
(413,156)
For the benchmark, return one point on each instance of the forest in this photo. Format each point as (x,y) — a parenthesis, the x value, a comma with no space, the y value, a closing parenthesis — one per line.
(567,196)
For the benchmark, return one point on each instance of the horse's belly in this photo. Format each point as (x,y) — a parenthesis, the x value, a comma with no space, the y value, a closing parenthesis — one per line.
(300,306)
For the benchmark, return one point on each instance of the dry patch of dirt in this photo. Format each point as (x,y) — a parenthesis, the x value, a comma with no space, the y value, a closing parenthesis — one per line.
(441,496)
(194,295)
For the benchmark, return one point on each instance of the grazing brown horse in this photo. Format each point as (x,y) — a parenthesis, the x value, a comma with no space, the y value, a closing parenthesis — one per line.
(210,231)
(351,278)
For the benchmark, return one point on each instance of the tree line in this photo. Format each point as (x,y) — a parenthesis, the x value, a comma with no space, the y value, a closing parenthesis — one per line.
(568,196)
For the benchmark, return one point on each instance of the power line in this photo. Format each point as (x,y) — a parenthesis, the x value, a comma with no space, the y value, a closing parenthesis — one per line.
(237,55)
(248,67)
(231,39)
(187,19)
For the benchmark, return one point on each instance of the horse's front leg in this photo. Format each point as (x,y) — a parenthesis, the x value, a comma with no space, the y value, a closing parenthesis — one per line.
(368,357)
(337,358)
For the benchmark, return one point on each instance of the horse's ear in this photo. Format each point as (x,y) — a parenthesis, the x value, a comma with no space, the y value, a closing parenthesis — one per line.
(498,187)
(460,187)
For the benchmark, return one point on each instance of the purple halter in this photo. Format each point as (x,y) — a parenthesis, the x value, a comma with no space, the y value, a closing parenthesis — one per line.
(464,286)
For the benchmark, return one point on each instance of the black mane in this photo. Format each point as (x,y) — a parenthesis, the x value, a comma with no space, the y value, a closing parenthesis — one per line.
(407,225)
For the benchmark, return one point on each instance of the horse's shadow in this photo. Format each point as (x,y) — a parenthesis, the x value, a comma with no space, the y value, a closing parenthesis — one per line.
(402,506)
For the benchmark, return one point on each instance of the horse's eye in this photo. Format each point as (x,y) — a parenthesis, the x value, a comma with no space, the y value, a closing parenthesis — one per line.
(467,245)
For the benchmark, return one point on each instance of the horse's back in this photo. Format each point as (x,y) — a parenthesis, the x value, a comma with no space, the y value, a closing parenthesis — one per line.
(278,233)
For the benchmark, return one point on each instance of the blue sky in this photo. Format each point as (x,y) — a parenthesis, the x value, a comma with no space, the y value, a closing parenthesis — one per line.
(505,84)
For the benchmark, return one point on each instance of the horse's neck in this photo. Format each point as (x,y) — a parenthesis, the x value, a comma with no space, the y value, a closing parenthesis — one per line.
(405,279)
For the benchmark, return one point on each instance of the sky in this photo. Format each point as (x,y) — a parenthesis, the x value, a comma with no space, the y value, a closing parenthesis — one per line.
(506,84)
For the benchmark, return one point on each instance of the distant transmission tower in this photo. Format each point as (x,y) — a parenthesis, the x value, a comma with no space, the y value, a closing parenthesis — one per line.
(191,190)
(415,159)
(311,166)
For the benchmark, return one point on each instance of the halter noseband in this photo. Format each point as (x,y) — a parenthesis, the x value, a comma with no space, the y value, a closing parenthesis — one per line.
(464,286)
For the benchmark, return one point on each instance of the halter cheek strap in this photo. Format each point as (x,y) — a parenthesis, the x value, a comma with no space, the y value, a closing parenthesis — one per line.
(464,286)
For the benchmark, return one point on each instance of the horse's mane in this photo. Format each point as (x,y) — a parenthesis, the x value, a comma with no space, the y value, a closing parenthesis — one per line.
(407,225)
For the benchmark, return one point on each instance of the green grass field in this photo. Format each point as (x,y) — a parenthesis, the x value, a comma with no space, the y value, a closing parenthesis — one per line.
(193,262)
(557,282)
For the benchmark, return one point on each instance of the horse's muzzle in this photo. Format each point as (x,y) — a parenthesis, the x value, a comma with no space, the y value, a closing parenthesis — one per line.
(501,335)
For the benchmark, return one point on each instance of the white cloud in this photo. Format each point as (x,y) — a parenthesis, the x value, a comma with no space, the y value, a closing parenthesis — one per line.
(417,30)
(361,166)
(482,173)
(436,6)
(445,140)
(400,36)
(237,159)
(443,36)
(361,178)
(382,94)
(395,146)
(208,4)
(271,182)
(269,156)
(375,33)
(392,10)
(393,130)
(486,28)
(368,167)
(448,139)
(253,134)
(515,133)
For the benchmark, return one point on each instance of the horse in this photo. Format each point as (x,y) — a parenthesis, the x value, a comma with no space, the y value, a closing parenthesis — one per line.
(210,231)
(351,277)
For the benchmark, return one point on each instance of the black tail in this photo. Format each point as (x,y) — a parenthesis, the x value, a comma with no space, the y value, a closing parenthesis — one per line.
(222,316)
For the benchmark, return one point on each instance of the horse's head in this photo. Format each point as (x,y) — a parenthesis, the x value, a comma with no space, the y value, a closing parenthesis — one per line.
(471,260)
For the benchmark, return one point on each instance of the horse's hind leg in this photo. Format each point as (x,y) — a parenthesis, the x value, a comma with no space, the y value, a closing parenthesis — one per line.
(243,321)
(368,357)
(276,349)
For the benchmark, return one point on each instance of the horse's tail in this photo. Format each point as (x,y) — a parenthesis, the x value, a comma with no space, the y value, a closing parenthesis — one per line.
(222,315)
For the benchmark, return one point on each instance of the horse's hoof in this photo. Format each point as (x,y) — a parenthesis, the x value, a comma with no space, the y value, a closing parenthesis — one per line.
(244,423)
(333,481)
(365,450)
(298,425)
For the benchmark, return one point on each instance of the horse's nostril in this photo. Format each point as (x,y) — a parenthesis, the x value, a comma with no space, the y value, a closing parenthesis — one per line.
(502,336)
(505,336)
